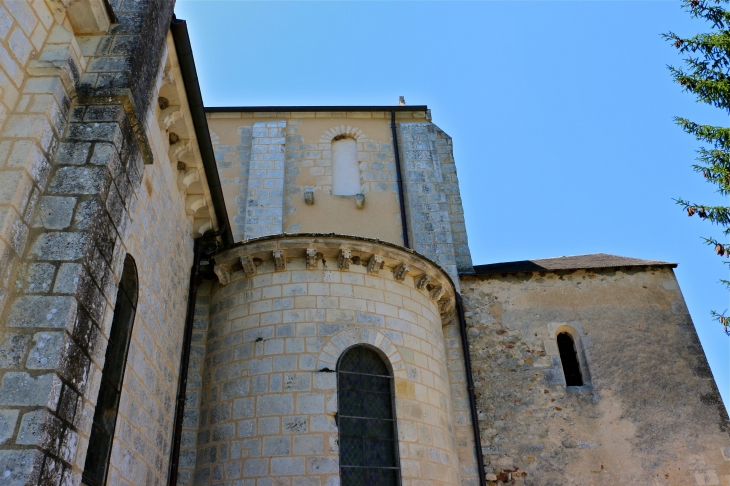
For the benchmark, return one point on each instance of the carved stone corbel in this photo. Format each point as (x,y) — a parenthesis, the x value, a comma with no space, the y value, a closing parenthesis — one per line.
(401,271)
(223,273)
(279,260)
(312,259)
(203,226)
(375,264)
(249,268)
(172,117)
(194,202)
(343,262)
(446,305)
(436,292)
(168,77)
(178,150)
(422,281)
(187,177)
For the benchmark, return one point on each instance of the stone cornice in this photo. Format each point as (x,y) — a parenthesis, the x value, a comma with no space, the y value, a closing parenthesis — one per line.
(338,253)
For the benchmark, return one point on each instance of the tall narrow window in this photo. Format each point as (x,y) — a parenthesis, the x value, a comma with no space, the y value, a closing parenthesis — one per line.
(366,420)
(569,359)
(107,403)
(345,167)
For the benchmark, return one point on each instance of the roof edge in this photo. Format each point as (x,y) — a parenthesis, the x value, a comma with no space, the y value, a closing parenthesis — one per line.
(179,30)
(274,109)
(598,262)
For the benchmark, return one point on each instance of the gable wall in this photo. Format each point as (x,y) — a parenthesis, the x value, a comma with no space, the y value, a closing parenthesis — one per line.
(653,414)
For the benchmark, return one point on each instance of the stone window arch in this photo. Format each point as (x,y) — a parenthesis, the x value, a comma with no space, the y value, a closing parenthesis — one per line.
(345,166)
(569,346)
(112,378)
(366,420)
(569,360)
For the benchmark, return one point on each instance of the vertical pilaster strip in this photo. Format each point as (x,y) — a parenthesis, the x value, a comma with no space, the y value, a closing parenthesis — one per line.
(265,199)
(428,205)
(450,187)
(195,397)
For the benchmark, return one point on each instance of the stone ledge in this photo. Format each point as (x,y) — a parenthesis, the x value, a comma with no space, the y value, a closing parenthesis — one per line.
(331,247)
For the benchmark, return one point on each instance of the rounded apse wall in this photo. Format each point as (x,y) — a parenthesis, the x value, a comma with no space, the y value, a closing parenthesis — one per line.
(285,310)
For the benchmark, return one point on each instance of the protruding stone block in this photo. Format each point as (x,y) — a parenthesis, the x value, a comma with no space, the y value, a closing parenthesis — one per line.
(249,268)
(21,389)
(375,264)
(359,201)
(279,260)
(343,261)
(43,311)
(223,273)
(20,468)
(436,292)
(422,281)
(311,258)
(8,419)
(401,271)
(39,428)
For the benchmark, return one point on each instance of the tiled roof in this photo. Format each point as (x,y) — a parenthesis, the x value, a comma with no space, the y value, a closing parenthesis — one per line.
(595,260)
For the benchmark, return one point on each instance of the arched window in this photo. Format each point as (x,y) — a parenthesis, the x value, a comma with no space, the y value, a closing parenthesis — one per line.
(366,420)
(569,359)
(345,167)
(107,403)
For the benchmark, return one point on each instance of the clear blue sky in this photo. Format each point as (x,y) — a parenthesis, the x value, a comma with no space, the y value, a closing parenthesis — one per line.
(561,115)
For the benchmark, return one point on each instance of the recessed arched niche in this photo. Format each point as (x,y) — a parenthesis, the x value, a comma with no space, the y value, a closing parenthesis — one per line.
(345,167)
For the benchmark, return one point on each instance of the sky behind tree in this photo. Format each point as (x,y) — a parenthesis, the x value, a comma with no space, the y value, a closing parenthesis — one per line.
(561,115)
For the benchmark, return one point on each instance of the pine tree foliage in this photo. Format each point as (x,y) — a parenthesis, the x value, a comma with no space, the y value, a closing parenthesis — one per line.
(706,74)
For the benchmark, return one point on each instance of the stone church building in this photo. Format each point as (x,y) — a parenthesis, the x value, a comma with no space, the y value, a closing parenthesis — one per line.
(285,296)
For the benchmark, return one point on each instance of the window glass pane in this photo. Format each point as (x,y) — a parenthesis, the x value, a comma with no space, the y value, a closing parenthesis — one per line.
(351,404)
(105,415)
(363,360)
(368,447)
(96,459)
(107,402)
(365,383)
(368,476)
(351,452)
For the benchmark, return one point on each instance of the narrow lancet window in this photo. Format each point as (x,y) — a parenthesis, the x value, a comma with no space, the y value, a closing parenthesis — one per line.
(107,403)
(345,167)
(569,359)
(366,420)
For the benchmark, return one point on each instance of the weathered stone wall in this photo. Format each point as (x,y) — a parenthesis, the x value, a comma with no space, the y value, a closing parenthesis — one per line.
(74,143)
(269,396)
(432,194)
(29,129)
(652,414)
(463,428)
(194,393)
(435,213)
(160,240)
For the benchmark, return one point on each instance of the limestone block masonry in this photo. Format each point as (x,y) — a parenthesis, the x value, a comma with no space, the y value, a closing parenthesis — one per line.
(265,201)
(290,306)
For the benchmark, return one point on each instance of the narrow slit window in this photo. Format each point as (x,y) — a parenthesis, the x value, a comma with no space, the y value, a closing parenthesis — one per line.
(107,403)
(366,420)
(569,359)
(345,167)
